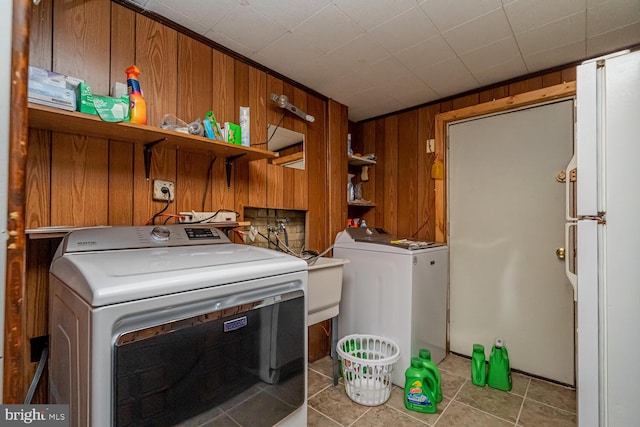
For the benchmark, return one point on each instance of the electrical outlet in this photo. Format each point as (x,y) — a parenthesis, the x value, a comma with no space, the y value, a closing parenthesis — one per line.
(158,194)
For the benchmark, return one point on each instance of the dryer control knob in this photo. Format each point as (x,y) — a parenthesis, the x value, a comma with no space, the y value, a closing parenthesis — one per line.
(161,234)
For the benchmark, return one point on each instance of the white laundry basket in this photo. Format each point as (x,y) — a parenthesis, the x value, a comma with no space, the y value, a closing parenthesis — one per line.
(367,362)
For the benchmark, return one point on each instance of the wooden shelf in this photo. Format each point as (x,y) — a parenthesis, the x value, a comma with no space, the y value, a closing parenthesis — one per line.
(57,120)
(360,161)
(362,204)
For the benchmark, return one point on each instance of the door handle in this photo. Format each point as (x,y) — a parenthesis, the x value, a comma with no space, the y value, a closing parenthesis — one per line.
(560,253)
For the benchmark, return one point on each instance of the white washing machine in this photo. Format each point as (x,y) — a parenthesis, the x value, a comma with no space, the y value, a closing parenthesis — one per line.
(395,288)
(176,325)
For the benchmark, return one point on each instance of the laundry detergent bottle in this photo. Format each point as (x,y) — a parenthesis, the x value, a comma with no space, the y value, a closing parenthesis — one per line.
(417,394)
(425,355)
(499,375)
(478,366)
(137,104)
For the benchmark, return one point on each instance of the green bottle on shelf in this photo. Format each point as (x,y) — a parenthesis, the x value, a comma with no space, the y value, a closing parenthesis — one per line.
(425,355)
(417,394)
(499,376)
(478,366)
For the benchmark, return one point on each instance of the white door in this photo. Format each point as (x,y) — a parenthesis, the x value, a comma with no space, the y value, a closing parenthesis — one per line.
(506,220)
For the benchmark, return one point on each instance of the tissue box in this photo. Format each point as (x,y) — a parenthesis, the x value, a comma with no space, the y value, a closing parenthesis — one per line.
(49,88)
(84,99)
(112,109)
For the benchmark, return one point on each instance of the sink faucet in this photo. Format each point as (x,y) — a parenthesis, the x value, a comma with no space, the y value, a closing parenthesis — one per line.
(283,229)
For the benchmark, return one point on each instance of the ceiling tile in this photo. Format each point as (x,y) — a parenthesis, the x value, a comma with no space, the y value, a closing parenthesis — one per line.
(425,54)
(613,40)
(142,3)
(559,33)
(228,43)
(240,23)
(610,15)
(404,30)
(280,51)
(195,10)
(481,31)
(345,86)
(445,16)
(524,15)
(371,13)
(486,57)
(410,92)
(379,73)
(177,17)
(355,54)
(501,72)
(289,14)
(328,29)
(554,57)
(448,78)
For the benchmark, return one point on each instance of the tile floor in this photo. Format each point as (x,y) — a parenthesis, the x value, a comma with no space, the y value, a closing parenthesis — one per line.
(531,402)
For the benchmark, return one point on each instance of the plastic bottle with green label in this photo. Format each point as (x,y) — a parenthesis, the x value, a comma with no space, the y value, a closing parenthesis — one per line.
(417,394)
(499,375)
(425,355)
(478,366)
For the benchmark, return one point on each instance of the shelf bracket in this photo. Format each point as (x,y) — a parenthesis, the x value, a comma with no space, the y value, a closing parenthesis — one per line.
(148,153)
(228,163)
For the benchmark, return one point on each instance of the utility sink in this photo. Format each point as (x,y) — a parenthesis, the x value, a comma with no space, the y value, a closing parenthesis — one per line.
(325,289)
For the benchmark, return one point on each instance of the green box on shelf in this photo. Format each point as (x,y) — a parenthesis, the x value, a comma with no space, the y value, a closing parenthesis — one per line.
(84,102)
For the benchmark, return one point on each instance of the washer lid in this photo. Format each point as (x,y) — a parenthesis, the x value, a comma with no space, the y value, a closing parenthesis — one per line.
(114,276)
(378,240)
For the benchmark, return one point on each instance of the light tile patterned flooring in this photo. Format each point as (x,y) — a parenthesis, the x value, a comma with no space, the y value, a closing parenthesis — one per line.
(531,402)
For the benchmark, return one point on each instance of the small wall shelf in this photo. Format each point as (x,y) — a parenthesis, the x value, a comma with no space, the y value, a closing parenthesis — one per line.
(360,161)
(53,119)
(362,204)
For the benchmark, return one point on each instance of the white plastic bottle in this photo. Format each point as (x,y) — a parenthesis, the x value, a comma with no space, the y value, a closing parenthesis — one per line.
(245,126)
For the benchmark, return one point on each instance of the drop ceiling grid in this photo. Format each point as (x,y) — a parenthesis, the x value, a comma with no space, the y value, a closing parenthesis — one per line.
(442,47)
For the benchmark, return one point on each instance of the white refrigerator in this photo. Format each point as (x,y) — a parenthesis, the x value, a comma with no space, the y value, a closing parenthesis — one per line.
(607,240)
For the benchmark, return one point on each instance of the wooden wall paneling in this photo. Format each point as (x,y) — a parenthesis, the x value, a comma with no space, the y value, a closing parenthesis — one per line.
(79,177)
(550,79)
(275,183)
(465,101)
(121,177)
(194,99)
(258,170)
(38,180)
(368,144)
(337,167)
(523,86)
(426,193)
(391,174)
(41,33)
(408,173)
(120,191)
(81,41)
(224,108)
(301,177)
(156,56)
(318,237)
(275,116)
(39,255)
(123,40)
(569,74)
(241,168)
(378,172)
(493,94)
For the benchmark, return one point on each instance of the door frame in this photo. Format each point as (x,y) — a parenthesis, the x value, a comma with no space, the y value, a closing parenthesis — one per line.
(563,90)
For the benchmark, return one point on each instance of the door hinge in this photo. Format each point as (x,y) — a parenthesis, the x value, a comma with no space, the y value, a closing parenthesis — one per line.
(601,218)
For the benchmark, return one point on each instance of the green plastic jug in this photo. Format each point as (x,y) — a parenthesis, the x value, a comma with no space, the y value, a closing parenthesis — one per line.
(425,355)
(499,371)
(417,394)
(478,366)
